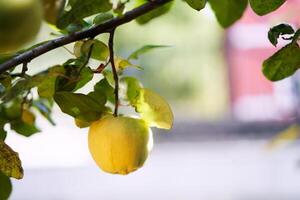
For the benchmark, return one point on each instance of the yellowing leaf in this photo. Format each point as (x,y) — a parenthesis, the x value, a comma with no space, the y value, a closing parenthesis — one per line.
(77,48)
(10,163)
(100,50)
(286,136)
(28,117)
(154,109)
(122,64)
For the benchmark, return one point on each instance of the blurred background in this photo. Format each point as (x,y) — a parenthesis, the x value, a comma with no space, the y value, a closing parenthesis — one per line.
(224,144)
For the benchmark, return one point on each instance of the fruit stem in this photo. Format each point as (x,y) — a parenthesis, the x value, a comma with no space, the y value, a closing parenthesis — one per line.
(114,70)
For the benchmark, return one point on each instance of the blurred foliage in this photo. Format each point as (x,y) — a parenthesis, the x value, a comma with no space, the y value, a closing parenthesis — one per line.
(286,61)
(284,137)
(192,68)
(191,72)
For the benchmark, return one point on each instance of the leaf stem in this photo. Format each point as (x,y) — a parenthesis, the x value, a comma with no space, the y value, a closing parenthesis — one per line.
(114,70)
(87,58)
(24,68)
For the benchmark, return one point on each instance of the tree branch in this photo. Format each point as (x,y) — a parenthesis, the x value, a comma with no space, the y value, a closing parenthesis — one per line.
(92,32)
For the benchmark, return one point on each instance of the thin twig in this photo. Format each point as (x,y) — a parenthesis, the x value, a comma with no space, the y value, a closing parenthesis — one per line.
(16,75)
(113,66)
(24,68)
(91,32)
(101,67)
(70,52)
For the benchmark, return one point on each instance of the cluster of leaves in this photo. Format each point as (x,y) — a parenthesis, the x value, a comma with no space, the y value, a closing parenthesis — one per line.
(286,61)
(23,96)
(229,11)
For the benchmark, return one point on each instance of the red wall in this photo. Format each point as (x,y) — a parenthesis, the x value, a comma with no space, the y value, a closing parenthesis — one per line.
(247,47)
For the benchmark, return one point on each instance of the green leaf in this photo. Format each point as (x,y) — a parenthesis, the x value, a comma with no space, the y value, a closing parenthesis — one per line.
(6,81)
(98,96)
(153,14)
(20,121)
(82,124)
(5,187)
(16,90)
(69,80)
(263,7)
(102,17)
(46,87)
(12,109)
(103,87)
(86,75)
(79,106)
(76,26)
(283,63)
(279,30)
(3,121)
(10,163)
(228,11)
(3,133)
(108,75)
(72,2)
(100,50)
(23,128)
(154,109)
(145,49)
(81,9)
(43,79)
(133,87)
(197,4)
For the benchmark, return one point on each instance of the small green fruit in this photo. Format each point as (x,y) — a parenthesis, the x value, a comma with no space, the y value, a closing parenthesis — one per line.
(20,21)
